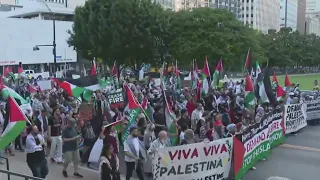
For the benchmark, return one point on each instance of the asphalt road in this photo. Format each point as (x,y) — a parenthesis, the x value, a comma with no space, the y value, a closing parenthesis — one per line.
(297,159)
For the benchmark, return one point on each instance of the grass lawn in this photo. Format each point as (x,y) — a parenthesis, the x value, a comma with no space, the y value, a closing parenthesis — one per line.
(305,81)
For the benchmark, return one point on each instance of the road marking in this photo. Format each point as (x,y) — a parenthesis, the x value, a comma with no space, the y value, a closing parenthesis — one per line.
(300,147)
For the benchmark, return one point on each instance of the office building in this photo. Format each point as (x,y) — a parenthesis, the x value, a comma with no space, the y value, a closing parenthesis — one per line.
(313,6)
(289,14)
(301,16)
(231,5)
(261,14)
(312,23)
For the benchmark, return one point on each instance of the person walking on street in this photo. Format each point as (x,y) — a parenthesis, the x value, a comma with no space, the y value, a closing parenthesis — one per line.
(134,156)
(36,159)
(54,135)
(70,147)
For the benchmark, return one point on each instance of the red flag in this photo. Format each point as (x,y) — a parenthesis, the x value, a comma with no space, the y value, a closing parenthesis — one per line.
(275,79)
(206,69)
(20,68)
(31,89)
(133,103)
(93,71)
(7,70)
(287,82)
(280,92)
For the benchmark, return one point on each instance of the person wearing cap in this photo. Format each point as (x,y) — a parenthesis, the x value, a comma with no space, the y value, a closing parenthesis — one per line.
(134,154)
(70,147)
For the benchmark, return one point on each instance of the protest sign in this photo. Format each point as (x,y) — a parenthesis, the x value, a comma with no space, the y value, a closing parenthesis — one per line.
(294,117)
(194,161)
(256,144)
(276,130)
(116,100)
(313,110)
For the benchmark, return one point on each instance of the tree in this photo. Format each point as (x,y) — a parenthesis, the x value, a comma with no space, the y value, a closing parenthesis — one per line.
(214,33)
(130,32)
(287,48)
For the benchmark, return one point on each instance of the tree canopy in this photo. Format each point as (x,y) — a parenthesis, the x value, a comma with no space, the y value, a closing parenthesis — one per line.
(139,31)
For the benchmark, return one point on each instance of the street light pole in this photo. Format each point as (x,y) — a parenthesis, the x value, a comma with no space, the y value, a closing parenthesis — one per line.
(54,44)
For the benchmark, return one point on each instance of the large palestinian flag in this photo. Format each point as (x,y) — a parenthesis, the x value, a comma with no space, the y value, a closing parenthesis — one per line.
(135,110)
(25,106)
(16,124)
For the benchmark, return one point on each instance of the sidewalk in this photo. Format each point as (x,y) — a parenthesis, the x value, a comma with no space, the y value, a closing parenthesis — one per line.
(18,164)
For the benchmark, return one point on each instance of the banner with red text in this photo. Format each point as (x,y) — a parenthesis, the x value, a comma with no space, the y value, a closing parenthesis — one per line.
(295,117)
(257,140)
(194,161)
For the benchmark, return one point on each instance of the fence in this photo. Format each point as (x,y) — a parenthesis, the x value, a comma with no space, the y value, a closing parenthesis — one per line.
(9,173)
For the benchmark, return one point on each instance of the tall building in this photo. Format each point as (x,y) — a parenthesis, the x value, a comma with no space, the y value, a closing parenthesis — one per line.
(232,5)
(261,14)
(301,15)
(312,25)
(313,6)
(289,14)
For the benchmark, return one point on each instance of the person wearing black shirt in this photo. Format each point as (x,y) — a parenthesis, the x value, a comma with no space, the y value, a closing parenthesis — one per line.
(184,120)
(35,153)
(159,120)
(54,134)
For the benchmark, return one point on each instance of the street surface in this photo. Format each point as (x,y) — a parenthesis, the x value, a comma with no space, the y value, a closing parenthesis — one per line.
(297,159)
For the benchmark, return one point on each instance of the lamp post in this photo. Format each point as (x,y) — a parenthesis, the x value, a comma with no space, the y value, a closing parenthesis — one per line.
(54,45)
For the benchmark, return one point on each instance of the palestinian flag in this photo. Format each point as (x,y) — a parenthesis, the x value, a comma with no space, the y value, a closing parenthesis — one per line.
(15,126)
(249,98)
(116,125)
(135,110)
(287,83)
(205,74)
(216,75)
(7,70)
(170,122)
(195,77)
(147,108)
(71,89)
(274,81)
(263,97)
(115,75)
(279,90)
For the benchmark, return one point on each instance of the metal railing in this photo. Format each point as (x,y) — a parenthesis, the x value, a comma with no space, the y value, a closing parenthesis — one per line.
(19,175)
(9,173)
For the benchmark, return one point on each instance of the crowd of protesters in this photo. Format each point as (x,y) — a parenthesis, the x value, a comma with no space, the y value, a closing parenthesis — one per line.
(56,130)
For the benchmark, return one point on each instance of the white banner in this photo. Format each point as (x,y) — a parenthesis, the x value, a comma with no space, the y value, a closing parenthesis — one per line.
(313,110)
(294,117)
(194,161)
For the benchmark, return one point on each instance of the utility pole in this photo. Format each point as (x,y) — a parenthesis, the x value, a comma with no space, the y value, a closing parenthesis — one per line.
(286,14)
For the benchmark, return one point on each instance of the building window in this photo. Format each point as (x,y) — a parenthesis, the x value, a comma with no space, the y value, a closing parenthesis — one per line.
(251,15)
(247,15)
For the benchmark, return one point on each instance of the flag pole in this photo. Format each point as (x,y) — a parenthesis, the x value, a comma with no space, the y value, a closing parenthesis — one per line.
(245,62)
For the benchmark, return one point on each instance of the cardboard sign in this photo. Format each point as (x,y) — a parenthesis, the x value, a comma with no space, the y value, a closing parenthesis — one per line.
(116,100)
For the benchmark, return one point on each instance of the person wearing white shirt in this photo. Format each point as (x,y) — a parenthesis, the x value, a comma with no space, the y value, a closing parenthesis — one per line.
(36,159)
(134,155)
(196,115)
